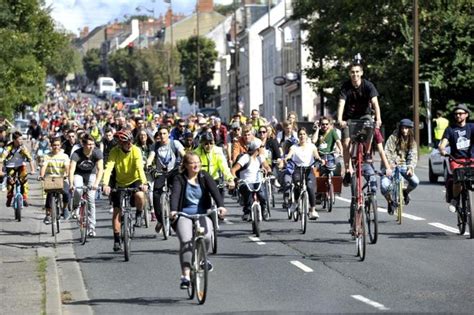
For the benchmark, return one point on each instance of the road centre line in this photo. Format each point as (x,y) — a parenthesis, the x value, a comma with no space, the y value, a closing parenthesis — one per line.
(446,228)
(365,300)
(256,240)
(406,215)
(301,266)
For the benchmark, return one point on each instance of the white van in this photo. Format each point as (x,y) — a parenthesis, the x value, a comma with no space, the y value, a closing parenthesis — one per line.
(105,85)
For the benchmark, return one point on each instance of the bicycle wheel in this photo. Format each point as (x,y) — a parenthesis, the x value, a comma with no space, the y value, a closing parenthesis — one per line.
(53,215)
(469,215)
(200,263)
(256,218)
(126,228)
(461,214)
(58,209)
(400,202)
(18,205)
(304,211)
(214,232)
(361,240)
(165,215)
(371,219)
(82,220)
(330,196)
(147,209)
(269,196)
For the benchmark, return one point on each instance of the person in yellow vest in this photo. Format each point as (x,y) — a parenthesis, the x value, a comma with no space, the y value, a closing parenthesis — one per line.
(441,124)
(256,120)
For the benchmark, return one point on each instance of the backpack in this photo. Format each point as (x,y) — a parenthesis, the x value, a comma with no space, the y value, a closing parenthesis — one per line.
(244,167)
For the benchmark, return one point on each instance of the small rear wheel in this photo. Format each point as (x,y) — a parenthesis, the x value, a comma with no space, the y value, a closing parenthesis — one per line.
(361,235)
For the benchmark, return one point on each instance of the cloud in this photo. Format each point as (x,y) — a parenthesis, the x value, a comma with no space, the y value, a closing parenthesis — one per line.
(75,14)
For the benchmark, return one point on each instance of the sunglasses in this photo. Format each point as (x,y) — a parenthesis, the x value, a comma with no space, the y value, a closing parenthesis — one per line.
(208,143)
(324,124)
(262,131)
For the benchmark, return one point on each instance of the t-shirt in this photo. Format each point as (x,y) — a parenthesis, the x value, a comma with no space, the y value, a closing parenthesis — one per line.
(167,155)
(86,165)
(56,164)
(192,197)
(325,143)
(303,156)
(251,173)
(460,140)
(357,99)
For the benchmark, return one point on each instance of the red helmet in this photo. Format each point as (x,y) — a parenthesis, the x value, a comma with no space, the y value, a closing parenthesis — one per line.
(124,136)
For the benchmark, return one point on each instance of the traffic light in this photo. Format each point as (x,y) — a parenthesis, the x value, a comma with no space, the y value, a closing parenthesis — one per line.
(130,48)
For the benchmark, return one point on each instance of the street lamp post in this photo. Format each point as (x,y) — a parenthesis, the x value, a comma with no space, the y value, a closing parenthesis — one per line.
(170,55)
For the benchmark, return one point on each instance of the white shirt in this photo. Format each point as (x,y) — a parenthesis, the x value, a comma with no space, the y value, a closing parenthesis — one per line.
(303,156)
(251,174)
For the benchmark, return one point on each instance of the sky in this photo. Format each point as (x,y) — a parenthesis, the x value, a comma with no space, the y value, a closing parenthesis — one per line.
(75,14)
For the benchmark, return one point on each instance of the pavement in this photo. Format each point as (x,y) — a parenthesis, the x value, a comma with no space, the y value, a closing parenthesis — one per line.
(23,245)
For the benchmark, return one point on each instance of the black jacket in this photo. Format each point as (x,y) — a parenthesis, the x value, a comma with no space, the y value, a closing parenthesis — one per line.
(208,187)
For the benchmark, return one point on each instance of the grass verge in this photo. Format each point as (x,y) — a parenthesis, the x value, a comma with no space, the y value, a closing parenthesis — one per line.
(425,150)
(42,264)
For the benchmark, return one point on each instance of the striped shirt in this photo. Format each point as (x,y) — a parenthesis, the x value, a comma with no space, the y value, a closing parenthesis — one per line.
(57,164)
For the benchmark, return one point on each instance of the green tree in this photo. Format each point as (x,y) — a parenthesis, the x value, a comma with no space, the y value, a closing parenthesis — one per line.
(92,64)
(382,32)
(125,67)
(189,67)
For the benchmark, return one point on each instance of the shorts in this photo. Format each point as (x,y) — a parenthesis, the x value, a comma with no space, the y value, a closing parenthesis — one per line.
(116,197)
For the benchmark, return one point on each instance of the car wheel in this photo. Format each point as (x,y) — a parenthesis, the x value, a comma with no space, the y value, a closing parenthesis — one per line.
(432,177)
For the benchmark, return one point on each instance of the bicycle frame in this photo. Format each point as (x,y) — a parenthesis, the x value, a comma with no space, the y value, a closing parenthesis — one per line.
(127,228)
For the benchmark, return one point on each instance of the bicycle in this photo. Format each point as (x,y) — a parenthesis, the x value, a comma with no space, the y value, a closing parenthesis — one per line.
(83,214)
(371,215)
(289,201)
(164,203)
(127,229)
(269,189)
(302,204)
(361,132)
(256,209)
(325,184)
(464,210)
(397,192)
(215,221)
(199,267)
(17,199)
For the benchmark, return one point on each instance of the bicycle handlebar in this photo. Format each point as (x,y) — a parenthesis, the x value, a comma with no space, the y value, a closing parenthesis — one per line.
(197,215)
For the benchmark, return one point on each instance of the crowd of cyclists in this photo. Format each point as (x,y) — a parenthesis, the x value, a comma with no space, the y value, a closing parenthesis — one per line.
(102,146)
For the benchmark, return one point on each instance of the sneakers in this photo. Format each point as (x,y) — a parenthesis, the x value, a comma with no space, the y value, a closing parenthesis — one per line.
(185,282)
(390,208)
(453,205)
(138,221)
(347,179)
(66,215)
(47,220)
(209,265)
(406,198)
(91,233)
(117,246)
(276,184)
(246,217)
(313,215)
(111,210)
(158,227)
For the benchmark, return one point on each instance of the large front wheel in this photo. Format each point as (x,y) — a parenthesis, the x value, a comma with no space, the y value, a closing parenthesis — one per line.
(361,240)
(304,212)
(256,218)
(165,215)
(18,205)
(83,222)
(371,219)
(54,213)
(201,267)
(126,228)
(215,228)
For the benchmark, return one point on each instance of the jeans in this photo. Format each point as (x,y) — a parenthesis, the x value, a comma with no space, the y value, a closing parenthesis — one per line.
(78,183)
(310,185)
(386,183)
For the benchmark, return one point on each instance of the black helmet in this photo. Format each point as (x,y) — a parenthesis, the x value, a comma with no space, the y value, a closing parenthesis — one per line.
(206,137)
(406,123)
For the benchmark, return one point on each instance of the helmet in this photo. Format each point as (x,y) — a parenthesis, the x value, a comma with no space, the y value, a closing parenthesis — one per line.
(206,137)
(252,147)
(124,136)
(406,123)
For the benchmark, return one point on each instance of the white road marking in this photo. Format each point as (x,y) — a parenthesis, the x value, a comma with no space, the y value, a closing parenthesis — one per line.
(406,215)
(301,266)
(228,222)
(446,228)
(377,305)
(256,240)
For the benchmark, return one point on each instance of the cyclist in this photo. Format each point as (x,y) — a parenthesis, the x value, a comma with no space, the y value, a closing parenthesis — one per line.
(167,155)
(15,156)
(240,147)
(42,148)
(459,138)
(86,169)
(57,164)
(303,154)
(256,121)
(358,98)
(247,167)
(191,193)
(401,150)
(189,142)
(127,161)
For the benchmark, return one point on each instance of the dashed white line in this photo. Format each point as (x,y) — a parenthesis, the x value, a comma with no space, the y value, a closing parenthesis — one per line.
(256,240)
(228,222)
(446,228)
(344,199)
(377,305)
(301,266)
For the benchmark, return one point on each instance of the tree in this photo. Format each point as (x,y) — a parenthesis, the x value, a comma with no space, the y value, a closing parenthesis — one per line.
(382,32)
(92,64)
(189,67)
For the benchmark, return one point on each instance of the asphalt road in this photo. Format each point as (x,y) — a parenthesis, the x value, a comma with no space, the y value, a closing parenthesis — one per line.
(422,265)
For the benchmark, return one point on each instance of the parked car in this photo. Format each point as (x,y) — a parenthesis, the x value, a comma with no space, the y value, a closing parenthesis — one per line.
(438,165)
(22,125)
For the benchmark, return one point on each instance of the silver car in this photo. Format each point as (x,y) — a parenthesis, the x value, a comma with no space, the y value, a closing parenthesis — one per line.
(438,165)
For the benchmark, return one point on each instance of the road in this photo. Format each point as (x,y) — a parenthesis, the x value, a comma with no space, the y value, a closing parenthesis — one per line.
(422,265)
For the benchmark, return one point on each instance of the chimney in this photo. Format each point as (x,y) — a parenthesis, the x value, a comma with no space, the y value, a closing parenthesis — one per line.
(168,17)
(205,6)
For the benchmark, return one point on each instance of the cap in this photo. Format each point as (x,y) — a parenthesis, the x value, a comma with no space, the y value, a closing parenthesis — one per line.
(200,114)
(406,123)
(252,147)
(462,107)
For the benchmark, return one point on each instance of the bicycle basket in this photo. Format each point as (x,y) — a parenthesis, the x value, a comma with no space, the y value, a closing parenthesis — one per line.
(361,131)
(462,174)
(53,183)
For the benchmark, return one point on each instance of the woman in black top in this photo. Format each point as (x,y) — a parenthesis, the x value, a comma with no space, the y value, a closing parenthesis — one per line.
(191,193)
